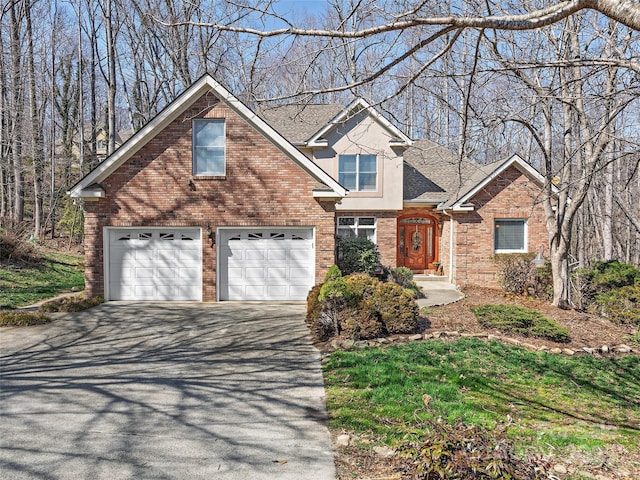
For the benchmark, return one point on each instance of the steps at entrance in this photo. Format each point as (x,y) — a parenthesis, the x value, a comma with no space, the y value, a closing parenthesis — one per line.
(420,278)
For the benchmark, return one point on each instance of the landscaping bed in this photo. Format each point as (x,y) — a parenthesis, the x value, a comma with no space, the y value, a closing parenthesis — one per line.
(587,436)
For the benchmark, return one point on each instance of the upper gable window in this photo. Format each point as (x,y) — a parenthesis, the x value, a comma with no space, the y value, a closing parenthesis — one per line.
(510,236)
(358,172)
(209,147)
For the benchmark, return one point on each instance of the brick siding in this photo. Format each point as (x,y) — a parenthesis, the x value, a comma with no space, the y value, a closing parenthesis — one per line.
(511,195)
(156,187)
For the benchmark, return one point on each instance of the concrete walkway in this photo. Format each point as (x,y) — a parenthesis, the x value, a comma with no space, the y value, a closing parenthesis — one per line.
(164,391)
(438,291)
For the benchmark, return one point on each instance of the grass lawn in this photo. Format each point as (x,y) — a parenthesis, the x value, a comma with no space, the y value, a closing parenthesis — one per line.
(26,285)
(549,401)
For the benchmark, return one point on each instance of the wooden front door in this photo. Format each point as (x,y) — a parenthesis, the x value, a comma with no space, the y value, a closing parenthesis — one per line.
(417,243)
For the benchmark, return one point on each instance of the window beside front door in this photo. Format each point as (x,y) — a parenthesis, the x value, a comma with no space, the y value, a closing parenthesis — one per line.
(357,227)
(358,172)
(510,236)
(209,147)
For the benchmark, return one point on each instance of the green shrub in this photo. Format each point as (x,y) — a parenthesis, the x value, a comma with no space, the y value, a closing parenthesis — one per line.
(467,452)
(404,277)
(520,320)
(334,296)
(361,285)
(22,318)
(357,255)
(614,274)
(71,304)
(397,309)
(334,286)
(359,307)
(610,289)
(321,326)
(361,323)
(620,304)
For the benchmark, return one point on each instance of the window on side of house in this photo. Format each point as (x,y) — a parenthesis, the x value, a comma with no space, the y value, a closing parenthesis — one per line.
(510,236)
(358,172)
(209,147)
(357,227)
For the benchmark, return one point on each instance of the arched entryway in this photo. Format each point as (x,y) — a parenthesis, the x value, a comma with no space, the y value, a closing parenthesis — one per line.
(417,242)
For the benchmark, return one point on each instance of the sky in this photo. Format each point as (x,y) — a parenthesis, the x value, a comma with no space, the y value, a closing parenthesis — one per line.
(289,8)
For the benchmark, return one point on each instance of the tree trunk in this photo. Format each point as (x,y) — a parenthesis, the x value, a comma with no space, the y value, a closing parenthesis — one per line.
(16,107)
(37,146)
(111,81)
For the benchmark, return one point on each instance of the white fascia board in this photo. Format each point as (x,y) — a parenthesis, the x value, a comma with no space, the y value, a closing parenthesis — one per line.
(171,111)
(418,201)
(320,143)
(359,104)
(516,161)
(326,194)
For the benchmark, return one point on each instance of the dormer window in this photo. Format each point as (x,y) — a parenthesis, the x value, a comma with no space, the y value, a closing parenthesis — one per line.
(209,147)
(358,172)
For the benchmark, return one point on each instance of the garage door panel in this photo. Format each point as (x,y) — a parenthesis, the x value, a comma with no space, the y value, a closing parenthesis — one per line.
(253,254)
(143,272)
(167,255)
(143,254)
(299,273)
(255,273)
(278,273)
(188,273)
(273,255)
(278,292)
(170,273)
(266,264)
(303,255)
(192,256)
(155,264)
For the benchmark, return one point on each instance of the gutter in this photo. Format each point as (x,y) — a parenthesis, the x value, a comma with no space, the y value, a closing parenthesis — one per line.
(451,250)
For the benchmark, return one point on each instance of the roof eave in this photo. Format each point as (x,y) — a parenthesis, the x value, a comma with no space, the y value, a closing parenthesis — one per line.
(175,108)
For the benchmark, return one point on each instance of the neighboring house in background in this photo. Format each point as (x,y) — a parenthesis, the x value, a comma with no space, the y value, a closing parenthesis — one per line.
(212,201)
(102,140)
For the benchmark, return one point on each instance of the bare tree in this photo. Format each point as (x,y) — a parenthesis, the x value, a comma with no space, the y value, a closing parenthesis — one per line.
(37,142)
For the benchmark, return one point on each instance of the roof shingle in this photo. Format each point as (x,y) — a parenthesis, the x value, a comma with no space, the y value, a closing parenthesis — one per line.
(435,174)
(298,123)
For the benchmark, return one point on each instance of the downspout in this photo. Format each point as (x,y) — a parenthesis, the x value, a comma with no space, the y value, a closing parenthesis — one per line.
(451,252)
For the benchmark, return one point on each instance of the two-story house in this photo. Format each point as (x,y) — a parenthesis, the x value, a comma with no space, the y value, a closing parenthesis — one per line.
(213,201)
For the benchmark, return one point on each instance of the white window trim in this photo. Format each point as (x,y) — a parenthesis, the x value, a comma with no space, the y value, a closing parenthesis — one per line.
(356,226)
(358,189)
(525,233)
(193,147)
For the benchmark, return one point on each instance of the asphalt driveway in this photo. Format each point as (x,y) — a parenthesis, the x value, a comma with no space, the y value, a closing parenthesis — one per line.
(164,391)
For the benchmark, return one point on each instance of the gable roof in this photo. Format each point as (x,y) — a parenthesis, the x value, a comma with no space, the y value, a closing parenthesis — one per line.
(89,185)
(299,122)
(435,175)
(308,124)
(357,106)
(474,185)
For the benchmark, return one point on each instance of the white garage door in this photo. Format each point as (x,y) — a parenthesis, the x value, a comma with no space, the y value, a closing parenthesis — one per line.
(266,264)
(155,264)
